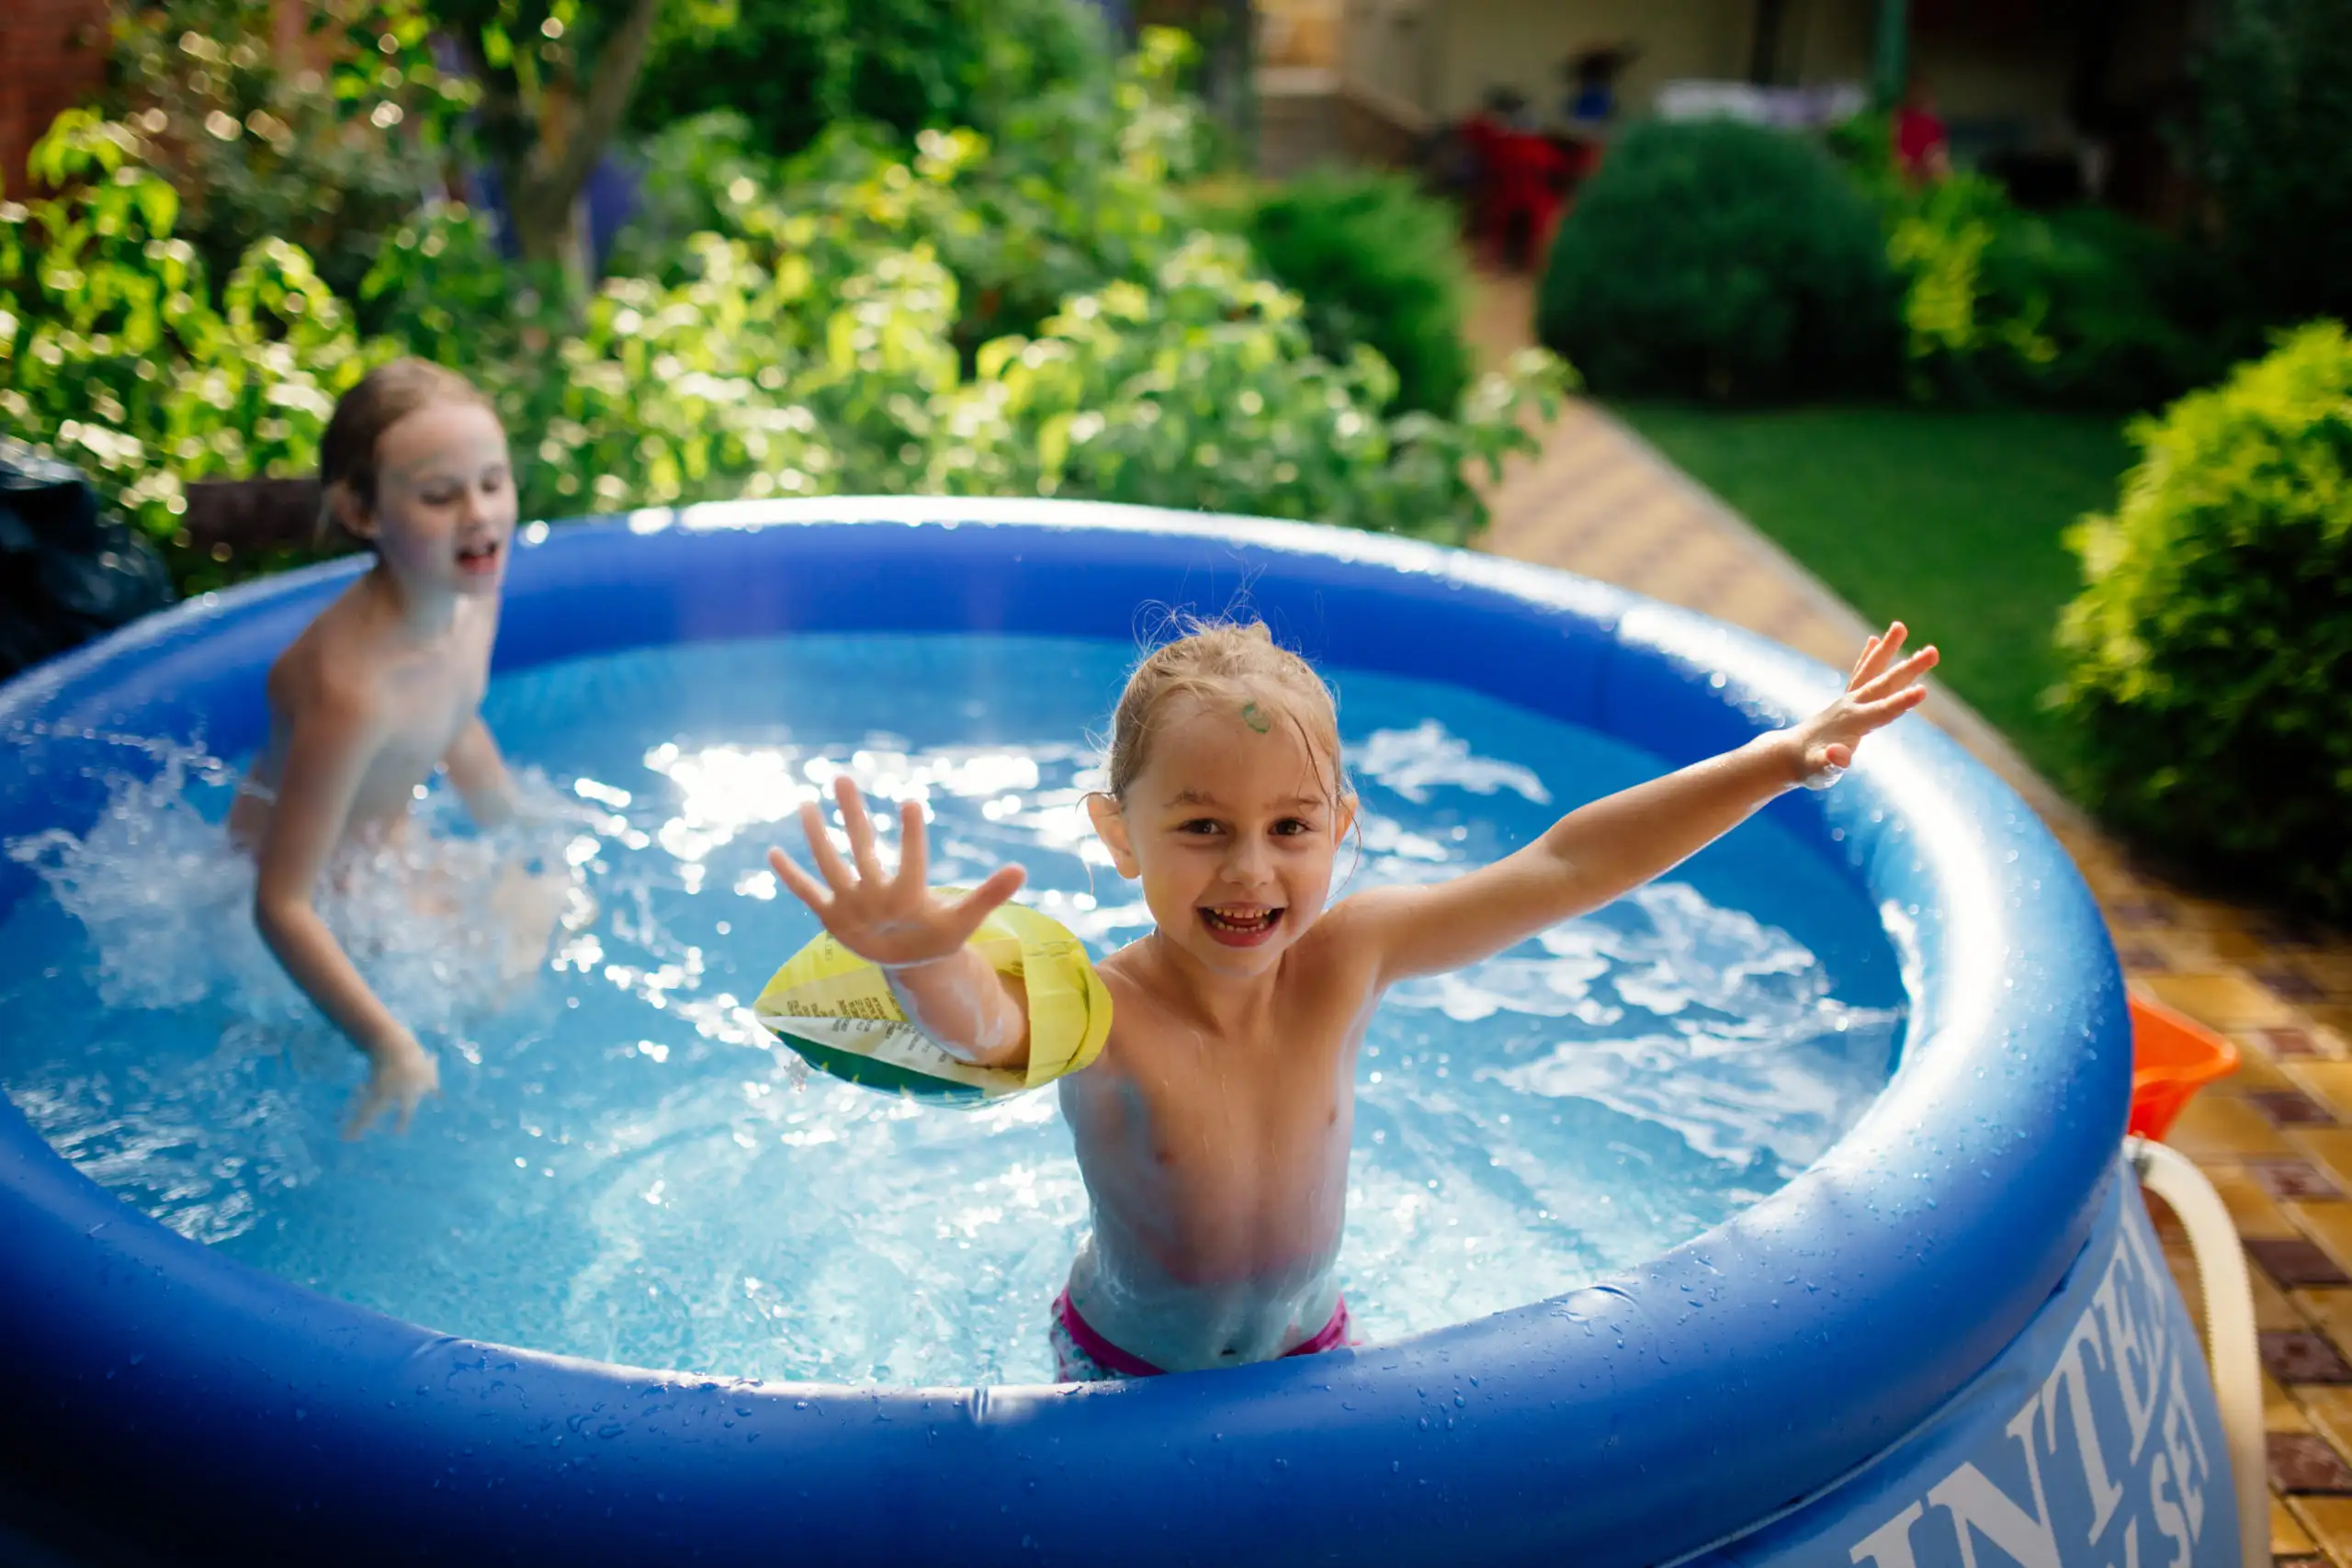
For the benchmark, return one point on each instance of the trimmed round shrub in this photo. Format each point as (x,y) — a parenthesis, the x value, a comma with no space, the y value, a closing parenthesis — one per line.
(2209,656)
(1720,260)
(1376,263)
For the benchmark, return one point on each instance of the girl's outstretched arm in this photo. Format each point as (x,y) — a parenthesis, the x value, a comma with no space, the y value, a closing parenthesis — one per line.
(914,936)
(325,759)
(1599,851)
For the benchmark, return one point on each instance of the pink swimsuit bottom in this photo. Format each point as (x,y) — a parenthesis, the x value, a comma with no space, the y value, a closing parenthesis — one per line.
(1082,1355)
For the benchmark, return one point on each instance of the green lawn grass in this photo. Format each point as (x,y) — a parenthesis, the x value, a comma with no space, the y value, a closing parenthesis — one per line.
(1949,520)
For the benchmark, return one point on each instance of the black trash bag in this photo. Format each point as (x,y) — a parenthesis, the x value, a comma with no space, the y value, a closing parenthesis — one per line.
(67,572)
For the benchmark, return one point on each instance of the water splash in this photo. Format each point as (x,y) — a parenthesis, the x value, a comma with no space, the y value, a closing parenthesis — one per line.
(162,904)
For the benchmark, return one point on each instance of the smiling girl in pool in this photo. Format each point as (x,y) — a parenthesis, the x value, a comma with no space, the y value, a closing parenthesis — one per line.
(1213,1130)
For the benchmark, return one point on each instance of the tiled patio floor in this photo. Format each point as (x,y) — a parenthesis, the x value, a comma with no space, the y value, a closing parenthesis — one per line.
(2275,1139)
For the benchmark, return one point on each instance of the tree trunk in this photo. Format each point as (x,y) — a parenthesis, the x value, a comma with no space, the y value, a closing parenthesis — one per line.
(1891,65)
(542,213)
(544,182)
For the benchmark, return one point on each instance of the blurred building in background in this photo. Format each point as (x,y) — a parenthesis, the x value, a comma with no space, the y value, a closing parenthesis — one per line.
(2062,98)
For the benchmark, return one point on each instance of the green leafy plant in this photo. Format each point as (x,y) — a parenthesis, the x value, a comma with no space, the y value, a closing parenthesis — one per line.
(114,356)
(1722,260)
(2210,655)
(441,290)
(1205,391)
(792,69)
(2083,307)
(327,147)
(1082,187)
(1377,262)
(815,356)
(1863,146)
(817,338)
(1065,244)
(712,387)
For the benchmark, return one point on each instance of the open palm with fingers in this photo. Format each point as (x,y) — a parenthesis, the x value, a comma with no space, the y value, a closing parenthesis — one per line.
(1883,688)
(895,921)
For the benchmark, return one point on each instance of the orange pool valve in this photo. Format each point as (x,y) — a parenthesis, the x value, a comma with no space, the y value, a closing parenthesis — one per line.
(2173,1056)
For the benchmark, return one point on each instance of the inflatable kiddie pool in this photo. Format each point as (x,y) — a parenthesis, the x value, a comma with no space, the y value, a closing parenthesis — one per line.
(1950,1342)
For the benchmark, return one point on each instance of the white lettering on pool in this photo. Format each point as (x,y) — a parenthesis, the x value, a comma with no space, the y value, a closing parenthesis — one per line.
(2105,1494)
(2118,1356)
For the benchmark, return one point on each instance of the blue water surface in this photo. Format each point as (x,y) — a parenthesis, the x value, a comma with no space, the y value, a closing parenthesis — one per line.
(623,1165)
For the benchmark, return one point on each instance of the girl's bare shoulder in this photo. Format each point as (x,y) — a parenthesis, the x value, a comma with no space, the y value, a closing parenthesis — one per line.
(327,672)
(1130,997)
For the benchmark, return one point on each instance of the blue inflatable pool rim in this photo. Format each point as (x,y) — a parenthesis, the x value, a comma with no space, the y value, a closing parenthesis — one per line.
(1636,1419)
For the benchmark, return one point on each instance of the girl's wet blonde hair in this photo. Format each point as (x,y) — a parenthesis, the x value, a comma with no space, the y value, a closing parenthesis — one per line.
(1236,665)
(381,399)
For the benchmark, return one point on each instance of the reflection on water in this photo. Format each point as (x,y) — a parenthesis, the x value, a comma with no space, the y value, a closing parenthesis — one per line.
(623,1165)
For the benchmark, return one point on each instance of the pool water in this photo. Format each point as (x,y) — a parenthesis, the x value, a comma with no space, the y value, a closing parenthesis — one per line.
(623,1165)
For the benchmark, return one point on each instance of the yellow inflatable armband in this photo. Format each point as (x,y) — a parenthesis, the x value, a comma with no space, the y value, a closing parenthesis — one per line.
(836,1010)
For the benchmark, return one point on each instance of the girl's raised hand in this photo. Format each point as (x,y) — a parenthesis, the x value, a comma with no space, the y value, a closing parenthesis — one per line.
(896,921)
(1879,692)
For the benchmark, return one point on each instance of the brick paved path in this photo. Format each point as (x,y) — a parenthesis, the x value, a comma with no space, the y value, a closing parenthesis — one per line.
(2275,1139)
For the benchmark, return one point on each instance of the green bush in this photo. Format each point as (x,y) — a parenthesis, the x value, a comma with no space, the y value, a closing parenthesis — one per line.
(807,344)
(2082,307)
(1080,187)
(1377,262)
(1863,146)
(1205,391)
(2209,656)
(2142,317)
(1722,260)
(2078,307)
(327,158)
(114,356)
(440,288)
(811,354)
(793,68)
(2272,145)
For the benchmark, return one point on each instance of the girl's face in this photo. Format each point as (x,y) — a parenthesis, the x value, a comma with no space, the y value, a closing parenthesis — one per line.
(1232,826)
(444,512)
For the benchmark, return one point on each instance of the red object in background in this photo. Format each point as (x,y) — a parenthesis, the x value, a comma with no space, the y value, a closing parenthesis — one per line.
(1522,185)
(1918,137)
(2173,1056)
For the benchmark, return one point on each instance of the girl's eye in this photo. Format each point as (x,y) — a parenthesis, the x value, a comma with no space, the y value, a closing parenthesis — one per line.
(1291,826)
(1201,825)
